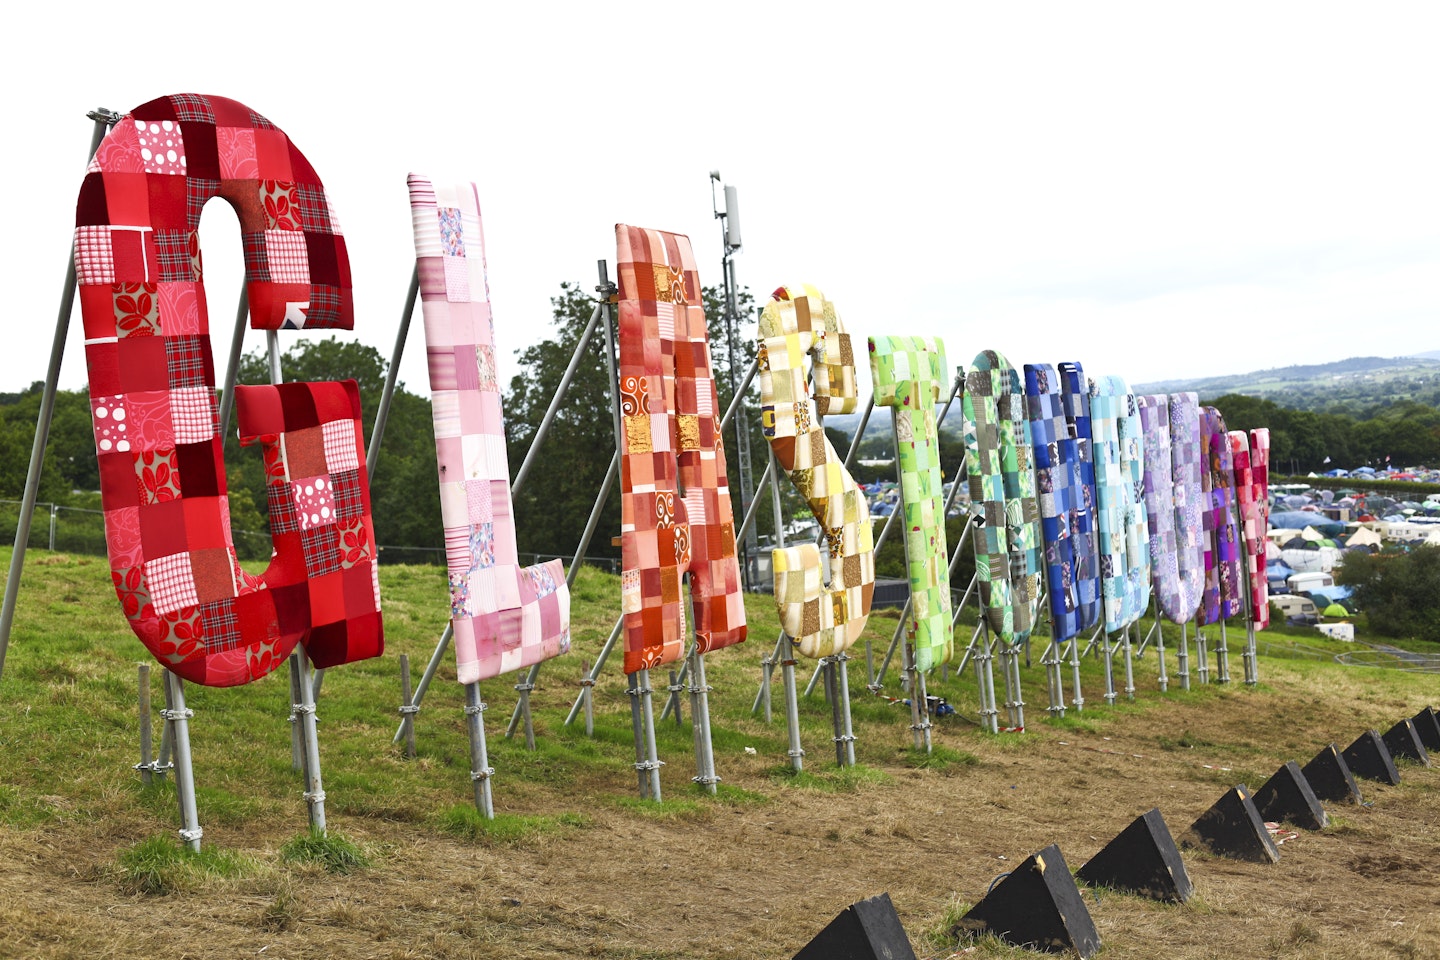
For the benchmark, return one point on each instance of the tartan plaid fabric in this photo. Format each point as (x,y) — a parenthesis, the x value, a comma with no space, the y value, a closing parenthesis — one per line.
(189,108)
(1002,492)
(257,263)
(505,616)
(222,626)
(666,442)
(173,250)
(187,362)
(198,192)
(908,374)
(799,322)
(163,481)
(1119,480)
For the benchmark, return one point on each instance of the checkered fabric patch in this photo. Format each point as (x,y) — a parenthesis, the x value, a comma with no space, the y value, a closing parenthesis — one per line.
(94,255)
(1124,539)
(664,355)
(505,617)
(161,466)
(195,414)
(798,322)
(340,445)
(285,254)
(170,582)
(908,374)
(1000,465)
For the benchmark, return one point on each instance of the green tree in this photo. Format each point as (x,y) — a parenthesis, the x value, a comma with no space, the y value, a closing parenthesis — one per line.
(1399,592)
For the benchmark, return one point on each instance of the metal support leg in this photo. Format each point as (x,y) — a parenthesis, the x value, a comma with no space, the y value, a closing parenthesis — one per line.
(792,705)
(1129,664)
(1051,661)
(430,668)
(314,789)
(146,766)
(1079,701)
(178,718)
(1109,668)
(1182,657)
(102,119)
(594,672)
(407,707)
(647,721)
(1163,680)
(700,722)
(1202,657)
(637,727)
(1222,658)
(480,769)
(1017,715)
(842,684)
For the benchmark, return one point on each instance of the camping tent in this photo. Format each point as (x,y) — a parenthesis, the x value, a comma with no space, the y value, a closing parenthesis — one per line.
(1364,537)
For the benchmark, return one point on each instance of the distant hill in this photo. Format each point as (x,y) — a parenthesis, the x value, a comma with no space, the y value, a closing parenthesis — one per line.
(1364,372)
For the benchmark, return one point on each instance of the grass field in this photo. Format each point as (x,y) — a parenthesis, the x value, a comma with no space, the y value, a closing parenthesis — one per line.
(575,865)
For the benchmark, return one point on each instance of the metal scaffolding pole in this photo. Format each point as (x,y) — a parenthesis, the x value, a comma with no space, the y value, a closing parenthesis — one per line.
(102,119)
(177,717)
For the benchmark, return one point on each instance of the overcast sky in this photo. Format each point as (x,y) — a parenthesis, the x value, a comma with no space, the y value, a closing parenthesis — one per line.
(1153,190)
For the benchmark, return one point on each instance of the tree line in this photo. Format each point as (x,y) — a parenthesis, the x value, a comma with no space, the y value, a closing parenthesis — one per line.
(556,501)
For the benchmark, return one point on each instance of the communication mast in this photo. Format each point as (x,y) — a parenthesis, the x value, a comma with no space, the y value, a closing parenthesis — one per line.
(729,219)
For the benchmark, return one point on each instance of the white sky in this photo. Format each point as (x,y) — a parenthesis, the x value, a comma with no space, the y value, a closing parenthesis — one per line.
(1153,190)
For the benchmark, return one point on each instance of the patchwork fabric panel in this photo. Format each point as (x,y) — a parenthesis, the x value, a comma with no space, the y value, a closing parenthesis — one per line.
(1066,506)
(1160,512)
(671,439)
(152,376)
(324,576)
(1260,497)
(1075,392)
(1002,493)
(1222,545)
(1187,468)
(1119,485)
(1252,535)
(504,616)
(908,374)
(796,323)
